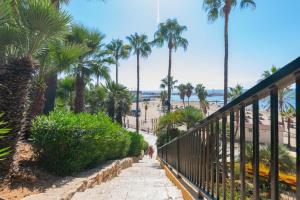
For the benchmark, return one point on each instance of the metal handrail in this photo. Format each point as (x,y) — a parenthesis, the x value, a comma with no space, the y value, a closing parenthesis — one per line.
(195,155)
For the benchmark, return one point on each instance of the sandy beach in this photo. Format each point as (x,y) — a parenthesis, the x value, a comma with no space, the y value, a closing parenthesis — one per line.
(149,122)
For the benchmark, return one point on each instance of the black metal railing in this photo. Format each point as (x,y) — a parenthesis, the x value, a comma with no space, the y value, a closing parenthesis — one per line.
(202,157)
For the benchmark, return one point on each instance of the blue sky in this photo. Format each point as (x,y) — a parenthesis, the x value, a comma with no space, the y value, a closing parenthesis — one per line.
(260,38)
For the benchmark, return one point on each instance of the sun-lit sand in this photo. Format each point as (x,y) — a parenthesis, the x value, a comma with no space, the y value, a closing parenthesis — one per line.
(154,111)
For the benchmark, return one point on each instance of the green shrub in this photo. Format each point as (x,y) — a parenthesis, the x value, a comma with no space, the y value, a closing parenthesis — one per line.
(67,143)
(145,146)
(137,144)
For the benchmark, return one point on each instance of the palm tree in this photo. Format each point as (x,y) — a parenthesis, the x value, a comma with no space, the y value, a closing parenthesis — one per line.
(51,80)
(146,103)
(233,94)
(216,8)
(24,35)
(66,90)
(182,92)
(91,39)
(163,97)
(141,47)
(100,65)
(164,83)
(118,50)
(170,32)
(189,91)
(283,93)
(289,114)
(202,94)
(118,101)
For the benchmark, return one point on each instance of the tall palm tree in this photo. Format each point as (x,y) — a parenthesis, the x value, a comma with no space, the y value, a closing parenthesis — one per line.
(182,92)
(202,94)
(289,114)
(23,36)
(216,8)
(92,39)
(51,80)
(141,47)
(170,32)
(189,91)
(118,50)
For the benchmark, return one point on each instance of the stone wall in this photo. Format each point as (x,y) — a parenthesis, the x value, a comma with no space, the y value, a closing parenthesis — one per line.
(66,188)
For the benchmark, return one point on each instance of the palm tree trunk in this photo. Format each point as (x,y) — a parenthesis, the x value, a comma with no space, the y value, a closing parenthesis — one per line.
(79,97)
(183,103)
(117,71)
(97,80)
(227,12)
(14,81)
(169,80)
(35,108)
(137,91)
(50,94)
(146,115)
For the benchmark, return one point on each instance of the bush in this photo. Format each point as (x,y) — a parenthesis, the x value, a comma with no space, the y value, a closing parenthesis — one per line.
(137,144)
(163,137)
(67,143)
(145,146)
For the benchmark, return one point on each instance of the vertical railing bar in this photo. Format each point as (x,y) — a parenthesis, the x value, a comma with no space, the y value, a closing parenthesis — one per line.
(198,158)
(242,152)
(274,144)
(212,147)
(207,158)
(217,158)
(201,158)
(256,148)
(224,156)
(298,135)
(232,155)
(204,159)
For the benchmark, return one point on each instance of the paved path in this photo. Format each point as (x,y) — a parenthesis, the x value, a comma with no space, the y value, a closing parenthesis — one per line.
(144,181)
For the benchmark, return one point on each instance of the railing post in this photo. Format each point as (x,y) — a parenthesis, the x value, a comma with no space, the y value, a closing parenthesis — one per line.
(256,148)
(298,135)
(217,159)
(178,157)
(232,155)
(242,152)
(274,143)
(224,156)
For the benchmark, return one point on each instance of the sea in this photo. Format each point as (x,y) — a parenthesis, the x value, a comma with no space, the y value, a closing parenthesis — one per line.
(216,96)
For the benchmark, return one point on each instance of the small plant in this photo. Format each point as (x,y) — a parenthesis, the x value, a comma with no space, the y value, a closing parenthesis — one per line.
(3,131)
(137,144)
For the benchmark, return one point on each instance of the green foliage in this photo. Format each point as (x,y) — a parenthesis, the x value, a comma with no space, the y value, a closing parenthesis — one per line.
(145,146)
(3,131)
(163,137)
(36,24)
(95,97)
(137,144)
(67,143)
(188,117)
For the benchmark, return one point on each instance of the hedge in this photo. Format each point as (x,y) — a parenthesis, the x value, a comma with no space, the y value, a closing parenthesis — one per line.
(67,143)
